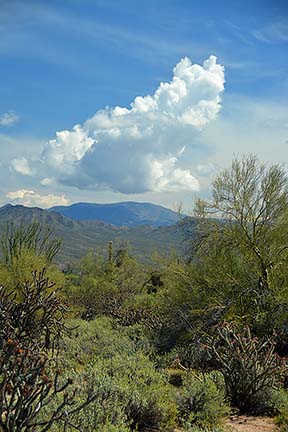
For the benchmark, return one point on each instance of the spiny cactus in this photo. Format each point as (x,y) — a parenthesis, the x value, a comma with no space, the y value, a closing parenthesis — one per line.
(249,365)
(30,377)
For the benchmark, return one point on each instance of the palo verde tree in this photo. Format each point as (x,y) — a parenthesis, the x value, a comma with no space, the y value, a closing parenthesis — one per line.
(105,284)
(243,237)
(239,267)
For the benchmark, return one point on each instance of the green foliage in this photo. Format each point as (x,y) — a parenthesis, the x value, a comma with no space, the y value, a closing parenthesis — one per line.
(142,327)
(200,402)
(280,399)
(103,285)
(243,241)
(33,237)
(170,304)
(129,390)
(250,367)
(25,249)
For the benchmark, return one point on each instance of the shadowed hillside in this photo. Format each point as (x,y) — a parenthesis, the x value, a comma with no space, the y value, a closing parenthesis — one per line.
(80,236)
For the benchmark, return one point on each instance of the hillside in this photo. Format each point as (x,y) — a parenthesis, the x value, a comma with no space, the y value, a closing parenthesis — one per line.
(120,214)
(81,236)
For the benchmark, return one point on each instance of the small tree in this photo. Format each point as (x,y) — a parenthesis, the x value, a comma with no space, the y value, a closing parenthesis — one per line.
(248,213)
(240,257)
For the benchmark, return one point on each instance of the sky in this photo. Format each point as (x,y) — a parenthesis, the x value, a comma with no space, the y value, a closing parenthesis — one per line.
(107,101)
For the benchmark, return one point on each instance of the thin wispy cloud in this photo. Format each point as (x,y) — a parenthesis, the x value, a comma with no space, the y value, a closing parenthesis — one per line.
(153,46)
(145,46)
(8,119)
(275,32)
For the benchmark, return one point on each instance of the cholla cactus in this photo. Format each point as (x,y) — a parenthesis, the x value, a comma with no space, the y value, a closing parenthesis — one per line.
(30,378)
(249,365)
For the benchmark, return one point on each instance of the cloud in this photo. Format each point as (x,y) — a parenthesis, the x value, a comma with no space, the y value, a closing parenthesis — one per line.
(8,119)
(250,125)
(21,165)
(206,169)
(274,32)
(30,198)
(47,181)
(139,149)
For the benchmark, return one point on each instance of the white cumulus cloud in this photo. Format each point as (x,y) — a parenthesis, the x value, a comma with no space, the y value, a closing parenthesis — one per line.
(30,198)
(139,149)
(8,119)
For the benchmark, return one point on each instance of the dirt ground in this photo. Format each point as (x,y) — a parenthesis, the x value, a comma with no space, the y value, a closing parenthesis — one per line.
(250,424)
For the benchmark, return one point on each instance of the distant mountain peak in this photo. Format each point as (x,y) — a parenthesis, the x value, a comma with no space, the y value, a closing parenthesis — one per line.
(126,213)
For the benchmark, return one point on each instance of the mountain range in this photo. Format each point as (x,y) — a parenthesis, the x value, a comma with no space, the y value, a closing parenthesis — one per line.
(80,236)
(120,214)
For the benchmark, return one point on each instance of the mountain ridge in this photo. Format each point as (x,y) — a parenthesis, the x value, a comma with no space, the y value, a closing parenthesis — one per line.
(126,213)
(78,237)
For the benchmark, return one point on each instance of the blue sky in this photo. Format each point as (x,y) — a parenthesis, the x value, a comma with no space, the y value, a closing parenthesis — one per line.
(63,61)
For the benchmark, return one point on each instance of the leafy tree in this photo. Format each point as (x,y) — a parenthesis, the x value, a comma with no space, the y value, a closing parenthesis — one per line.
(241,252)
(248,213)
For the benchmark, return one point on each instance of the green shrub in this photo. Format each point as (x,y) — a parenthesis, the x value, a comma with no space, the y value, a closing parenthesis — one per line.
(103,285)
(280,399)
(200,402)
(106,412)
(131,394)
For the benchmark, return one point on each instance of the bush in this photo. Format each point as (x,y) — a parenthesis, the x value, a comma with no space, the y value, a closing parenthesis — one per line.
(280,399)
(104,285)
(130,392)
(25,249)
(200,402)
(107,411)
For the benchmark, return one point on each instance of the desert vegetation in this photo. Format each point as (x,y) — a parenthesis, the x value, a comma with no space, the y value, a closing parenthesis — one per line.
(114,344)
